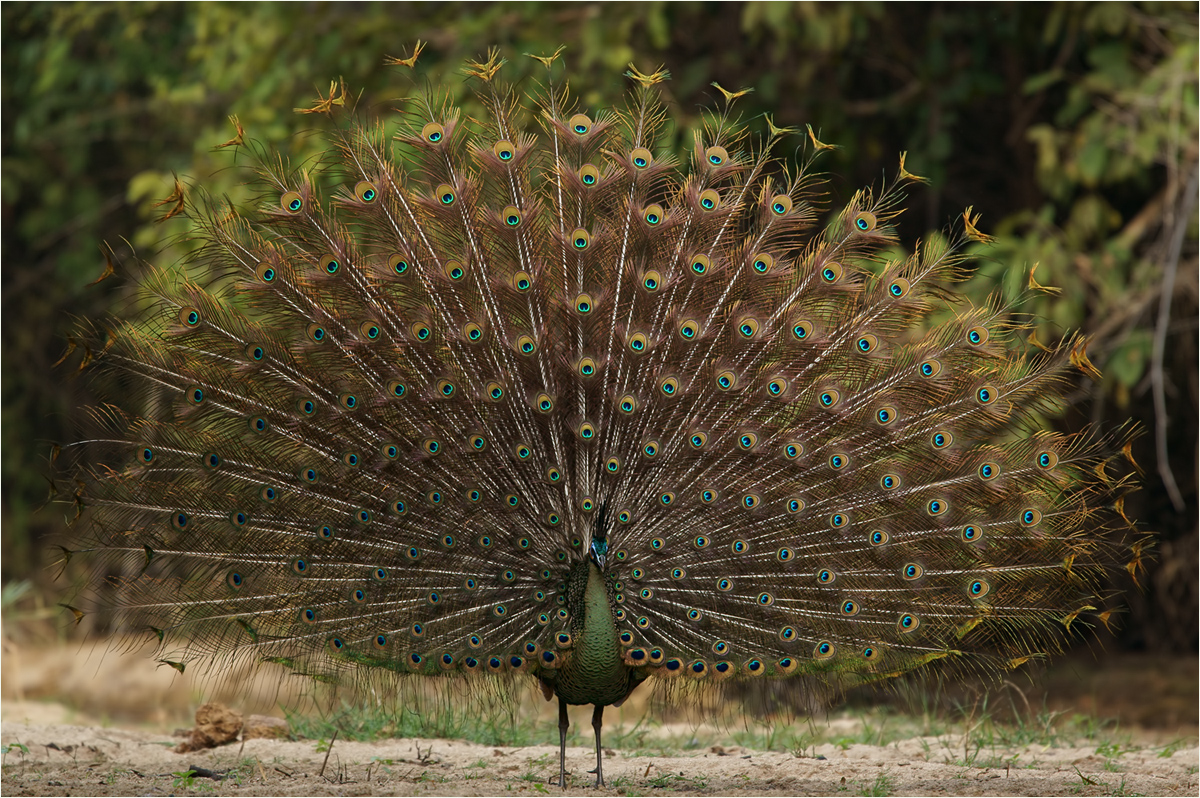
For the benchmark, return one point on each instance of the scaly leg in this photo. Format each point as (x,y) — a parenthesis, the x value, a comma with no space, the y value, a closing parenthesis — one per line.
(563,723)
(597,717)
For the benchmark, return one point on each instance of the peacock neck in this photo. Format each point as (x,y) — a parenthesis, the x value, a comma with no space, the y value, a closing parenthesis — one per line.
(594,673)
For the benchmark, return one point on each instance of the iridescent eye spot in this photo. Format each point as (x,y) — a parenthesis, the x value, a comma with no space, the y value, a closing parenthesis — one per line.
(802,330)
(899,288)
(709,199)
(580,124)
(445,194)
(640,157)
(849,607)
(839,461)
(867,344)
(716,155)
(977,336)
(829,398)
(1030,517)
(795,505)
(912,571)
(580,238)
(784,554)
(978,588)
(908,622)
(700,265)
(889,482)
(878,537)
(433,132)
(781,204)
(838,520)
(724,585)
(971,533)
(936,507)
(986,395)
(1047,459)
(864,222)
(831,273)
(653,214)
(989,471)
(941,440)
(930,368)
(885,415)
(292,202)
(825,576)
(504,150)
(791,451)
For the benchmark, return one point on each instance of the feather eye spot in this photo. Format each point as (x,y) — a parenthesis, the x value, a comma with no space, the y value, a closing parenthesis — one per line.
(823,650)
(580,239)
(792,451)
(688,330)
(587,431)
(784,554)
(937,507)
(930,368)
(908,623)
(802,330)
(829,398)
(912,571)
(265,272)
(292,202)
(1030,517)
(795,505)
(831,273)
(653,214)
(942,439)
(710,200)
(978,588)
(315,332)
(839,461)
(899,288)
(589,175)
(867,344)
(1046,459)
(849,608)
(781,204)
(989,471)
(885,415)
(189,317)
(716,155)
(651,281)
(700,264)
(878,537)
(580,124)
(510,216)
(366,191)
(762,263)
(504,150)
(971,533)
(889,482)
(977,336)
(398,264)
(864,222)
(445,194)
(433,132)
(640,157)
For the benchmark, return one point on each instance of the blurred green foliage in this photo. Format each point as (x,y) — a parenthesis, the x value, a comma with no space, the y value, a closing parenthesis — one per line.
(1072,127)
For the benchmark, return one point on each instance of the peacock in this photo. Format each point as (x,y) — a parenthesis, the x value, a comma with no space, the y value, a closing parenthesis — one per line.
(530,394)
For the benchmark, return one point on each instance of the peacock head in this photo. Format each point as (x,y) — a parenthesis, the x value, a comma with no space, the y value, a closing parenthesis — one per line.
(599,547)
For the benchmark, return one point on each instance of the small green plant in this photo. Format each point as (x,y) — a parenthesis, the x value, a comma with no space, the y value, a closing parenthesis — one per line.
(184,779)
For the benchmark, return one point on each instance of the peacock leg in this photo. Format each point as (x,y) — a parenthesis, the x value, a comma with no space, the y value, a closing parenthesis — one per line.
(563,723)
(597,717)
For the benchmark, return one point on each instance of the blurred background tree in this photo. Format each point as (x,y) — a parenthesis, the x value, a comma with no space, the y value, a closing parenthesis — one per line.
(1072,127)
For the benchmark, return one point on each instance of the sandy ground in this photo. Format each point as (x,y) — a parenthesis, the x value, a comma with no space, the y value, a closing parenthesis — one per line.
(75,723)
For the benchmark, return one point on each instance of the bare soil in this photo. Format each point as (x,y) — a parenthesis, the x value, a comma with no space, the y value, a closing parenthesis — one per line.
(60,703)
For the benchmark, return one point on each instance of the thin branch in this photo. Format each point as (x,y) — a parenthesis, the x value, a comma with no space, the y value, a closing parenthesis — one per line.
(1160,338)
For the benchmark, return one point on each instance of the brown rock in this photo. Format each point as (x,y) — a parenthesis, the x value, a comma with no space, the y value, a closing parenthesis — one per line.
(216,724)
(264,727)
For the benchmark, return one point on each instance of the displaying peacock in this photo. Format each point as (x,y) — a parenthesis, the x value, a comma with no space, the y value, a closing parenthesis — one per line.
(530,394)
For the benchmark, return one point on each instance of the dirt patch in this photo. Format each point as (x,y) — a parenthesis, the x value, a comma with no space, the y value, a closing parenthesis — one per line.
(77,760)
(58,703)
